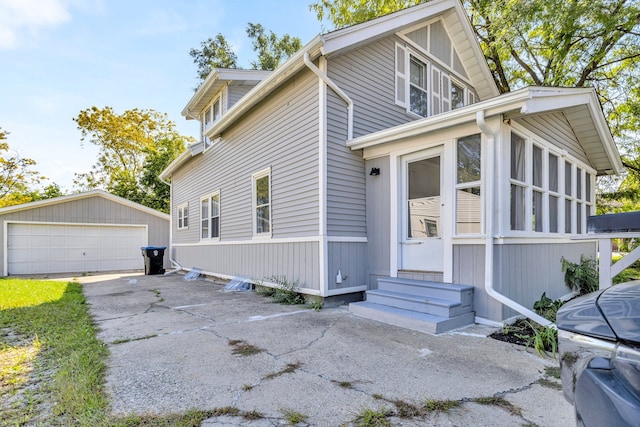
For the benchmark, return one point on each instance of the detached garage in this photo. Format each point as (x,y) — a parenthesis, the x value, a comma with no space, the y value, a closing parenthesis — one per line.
(85,232)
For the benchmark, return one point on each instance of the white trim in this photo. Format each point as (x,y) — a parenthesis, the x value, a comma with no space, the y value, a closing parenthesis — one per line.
(323,247)
(329,239)
(254,177)
(5,230)
(521,240)
(208,198)
(395,190)
(181,207)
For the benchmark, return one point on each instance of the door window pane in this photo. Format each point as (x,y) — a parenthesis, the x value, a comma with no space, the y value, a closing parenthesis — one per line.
(468,211)
(424,198)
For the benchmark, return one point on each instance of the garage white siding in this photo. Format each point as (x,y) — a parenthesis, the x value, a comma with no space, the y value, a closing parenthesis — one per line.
(40,248)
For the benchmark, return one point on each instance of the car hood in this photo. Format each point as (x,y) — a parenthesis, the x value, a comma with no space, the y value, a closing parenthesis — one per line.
(612,314)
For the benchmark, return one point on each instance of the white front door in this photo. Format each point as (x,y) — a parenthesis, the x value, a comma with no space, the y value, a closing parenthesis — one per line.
(421,243)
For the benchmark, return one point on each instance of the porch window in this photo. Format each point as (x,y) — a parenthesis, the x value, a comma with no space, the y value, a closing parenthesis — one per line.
(262,203)
(210,216)
(548,194)
(183,216)
(468,176)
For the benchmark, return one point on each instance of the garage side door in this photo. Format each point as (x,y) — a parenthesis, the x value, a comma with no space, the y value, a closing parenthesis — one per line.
(57,248)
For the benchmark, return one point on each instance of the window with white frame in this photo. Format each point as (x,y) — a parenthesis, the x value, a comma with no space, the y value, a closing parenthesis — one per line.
(262,203)
(468,180)
(431,90)
(209,117)
(210,216)
(548,193)
(183,216)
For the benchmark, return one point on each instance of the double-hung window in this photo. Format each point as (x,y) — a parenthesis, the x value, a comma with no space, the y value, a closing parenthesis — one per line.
(418,91)
(210,216)
(468,179)
(183,216)
(209,117)
(262,203)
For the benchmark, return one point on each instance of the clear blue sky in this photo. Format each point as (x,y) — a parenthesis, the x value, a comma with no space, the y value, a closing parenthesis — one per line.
(58,57)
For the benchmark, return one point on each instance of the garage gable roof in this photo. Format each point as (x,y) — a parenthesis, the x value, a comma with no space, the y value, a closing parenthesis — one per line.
(85,195)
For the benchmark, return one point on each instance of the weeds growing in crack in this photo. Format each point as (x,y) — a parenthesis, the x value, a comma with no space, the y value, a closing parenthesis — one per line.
(500,402)
(242,348)
(550,384)
(290,369)
(293,417)
(440,406)
(552,371)
(370,418)
(125,340)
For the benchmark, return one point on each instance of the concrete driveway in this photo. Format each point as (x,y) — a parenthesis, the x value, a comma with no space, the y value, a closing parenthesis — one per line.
(176,345)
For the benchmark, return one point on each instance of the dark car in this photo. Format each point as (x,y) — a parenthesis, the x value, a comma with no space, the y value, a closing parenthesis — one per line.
(599,346)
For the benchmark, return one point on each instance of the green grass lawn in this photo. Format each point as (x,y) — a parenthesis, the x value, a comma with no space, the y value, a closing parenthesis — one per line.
(52,366)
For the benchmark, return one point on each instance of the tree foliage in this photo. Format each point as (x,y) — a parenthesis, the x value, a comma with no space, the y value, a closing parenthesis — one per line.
(128,144)
(270,48)
(17,175)
(213,53)
(271,51)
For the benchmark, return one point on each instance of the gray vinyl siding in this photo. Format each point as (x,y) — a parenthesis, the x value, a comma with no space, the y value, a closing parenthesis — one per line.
(281,133)
(351,260)
(93,210)
(519,277)
(234,93)
(468,269)
(554,128)
(297,260)
(367,75)
(378,219)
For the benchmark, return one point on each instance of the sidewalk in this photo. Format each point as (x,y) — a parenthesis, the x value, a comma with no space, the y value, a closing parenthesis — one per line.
(172,346)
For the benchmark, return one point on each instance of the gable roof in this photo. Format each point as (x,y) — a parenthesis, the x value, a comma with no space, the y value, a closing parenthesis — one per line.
(580,107)
(216,80)
(78,196)
(340,40)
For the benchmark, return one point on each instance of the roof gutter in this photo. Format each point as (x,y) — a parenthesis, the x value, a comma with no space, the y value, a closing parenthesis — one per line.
(489,203)
(336,89)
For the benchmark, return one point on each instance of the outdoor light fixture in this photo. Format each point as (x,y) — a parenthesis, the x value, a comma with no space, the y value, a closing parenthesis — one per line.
(374,172)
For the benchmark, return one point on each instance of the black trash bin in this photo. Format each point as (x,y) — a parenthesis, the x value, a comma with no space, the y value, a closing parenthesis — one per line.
(153,259)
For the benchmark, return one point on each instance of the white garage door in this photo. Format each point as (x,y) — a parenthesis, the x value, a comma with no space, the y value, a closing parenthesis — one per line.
(56,248)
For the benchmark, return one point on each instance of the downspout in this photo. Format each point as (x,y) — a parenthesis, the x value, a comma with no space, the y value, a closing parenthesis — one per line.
(489,203)
(336,89)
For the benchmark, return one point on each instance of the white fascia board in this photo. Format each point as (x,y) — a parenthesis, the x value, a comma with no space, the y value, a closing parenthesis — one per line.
(390,23)
(217,78)
(80,196)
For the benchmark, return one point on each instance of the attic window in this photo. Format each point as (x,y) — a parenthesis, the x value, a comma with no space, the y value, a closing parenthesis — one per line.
(210,116)
(431,88)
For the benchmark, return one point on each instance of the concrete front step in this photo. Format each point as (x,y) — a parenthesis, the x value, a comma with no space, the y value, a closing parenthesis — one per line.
(422,304)
(450,291)
(413,320)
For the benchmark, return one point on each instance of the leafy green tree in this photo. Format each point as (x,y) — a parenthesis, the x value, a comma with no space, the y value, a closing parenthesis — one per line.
(270,48)
(127,143)
(213,53)
(17,175)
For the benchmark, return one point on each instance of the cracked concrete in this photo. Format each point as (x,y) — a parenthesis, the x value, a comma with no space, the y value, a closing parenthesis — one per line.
(174,355)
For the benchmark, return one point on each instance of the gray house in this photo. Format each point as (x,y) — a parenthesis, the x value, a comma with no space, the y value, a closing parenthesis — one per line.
(78,233)
(382,158)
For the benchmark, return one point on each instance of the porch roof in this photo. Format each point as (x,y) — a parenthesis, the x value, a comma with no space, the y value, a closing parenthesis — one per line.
(580,107)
